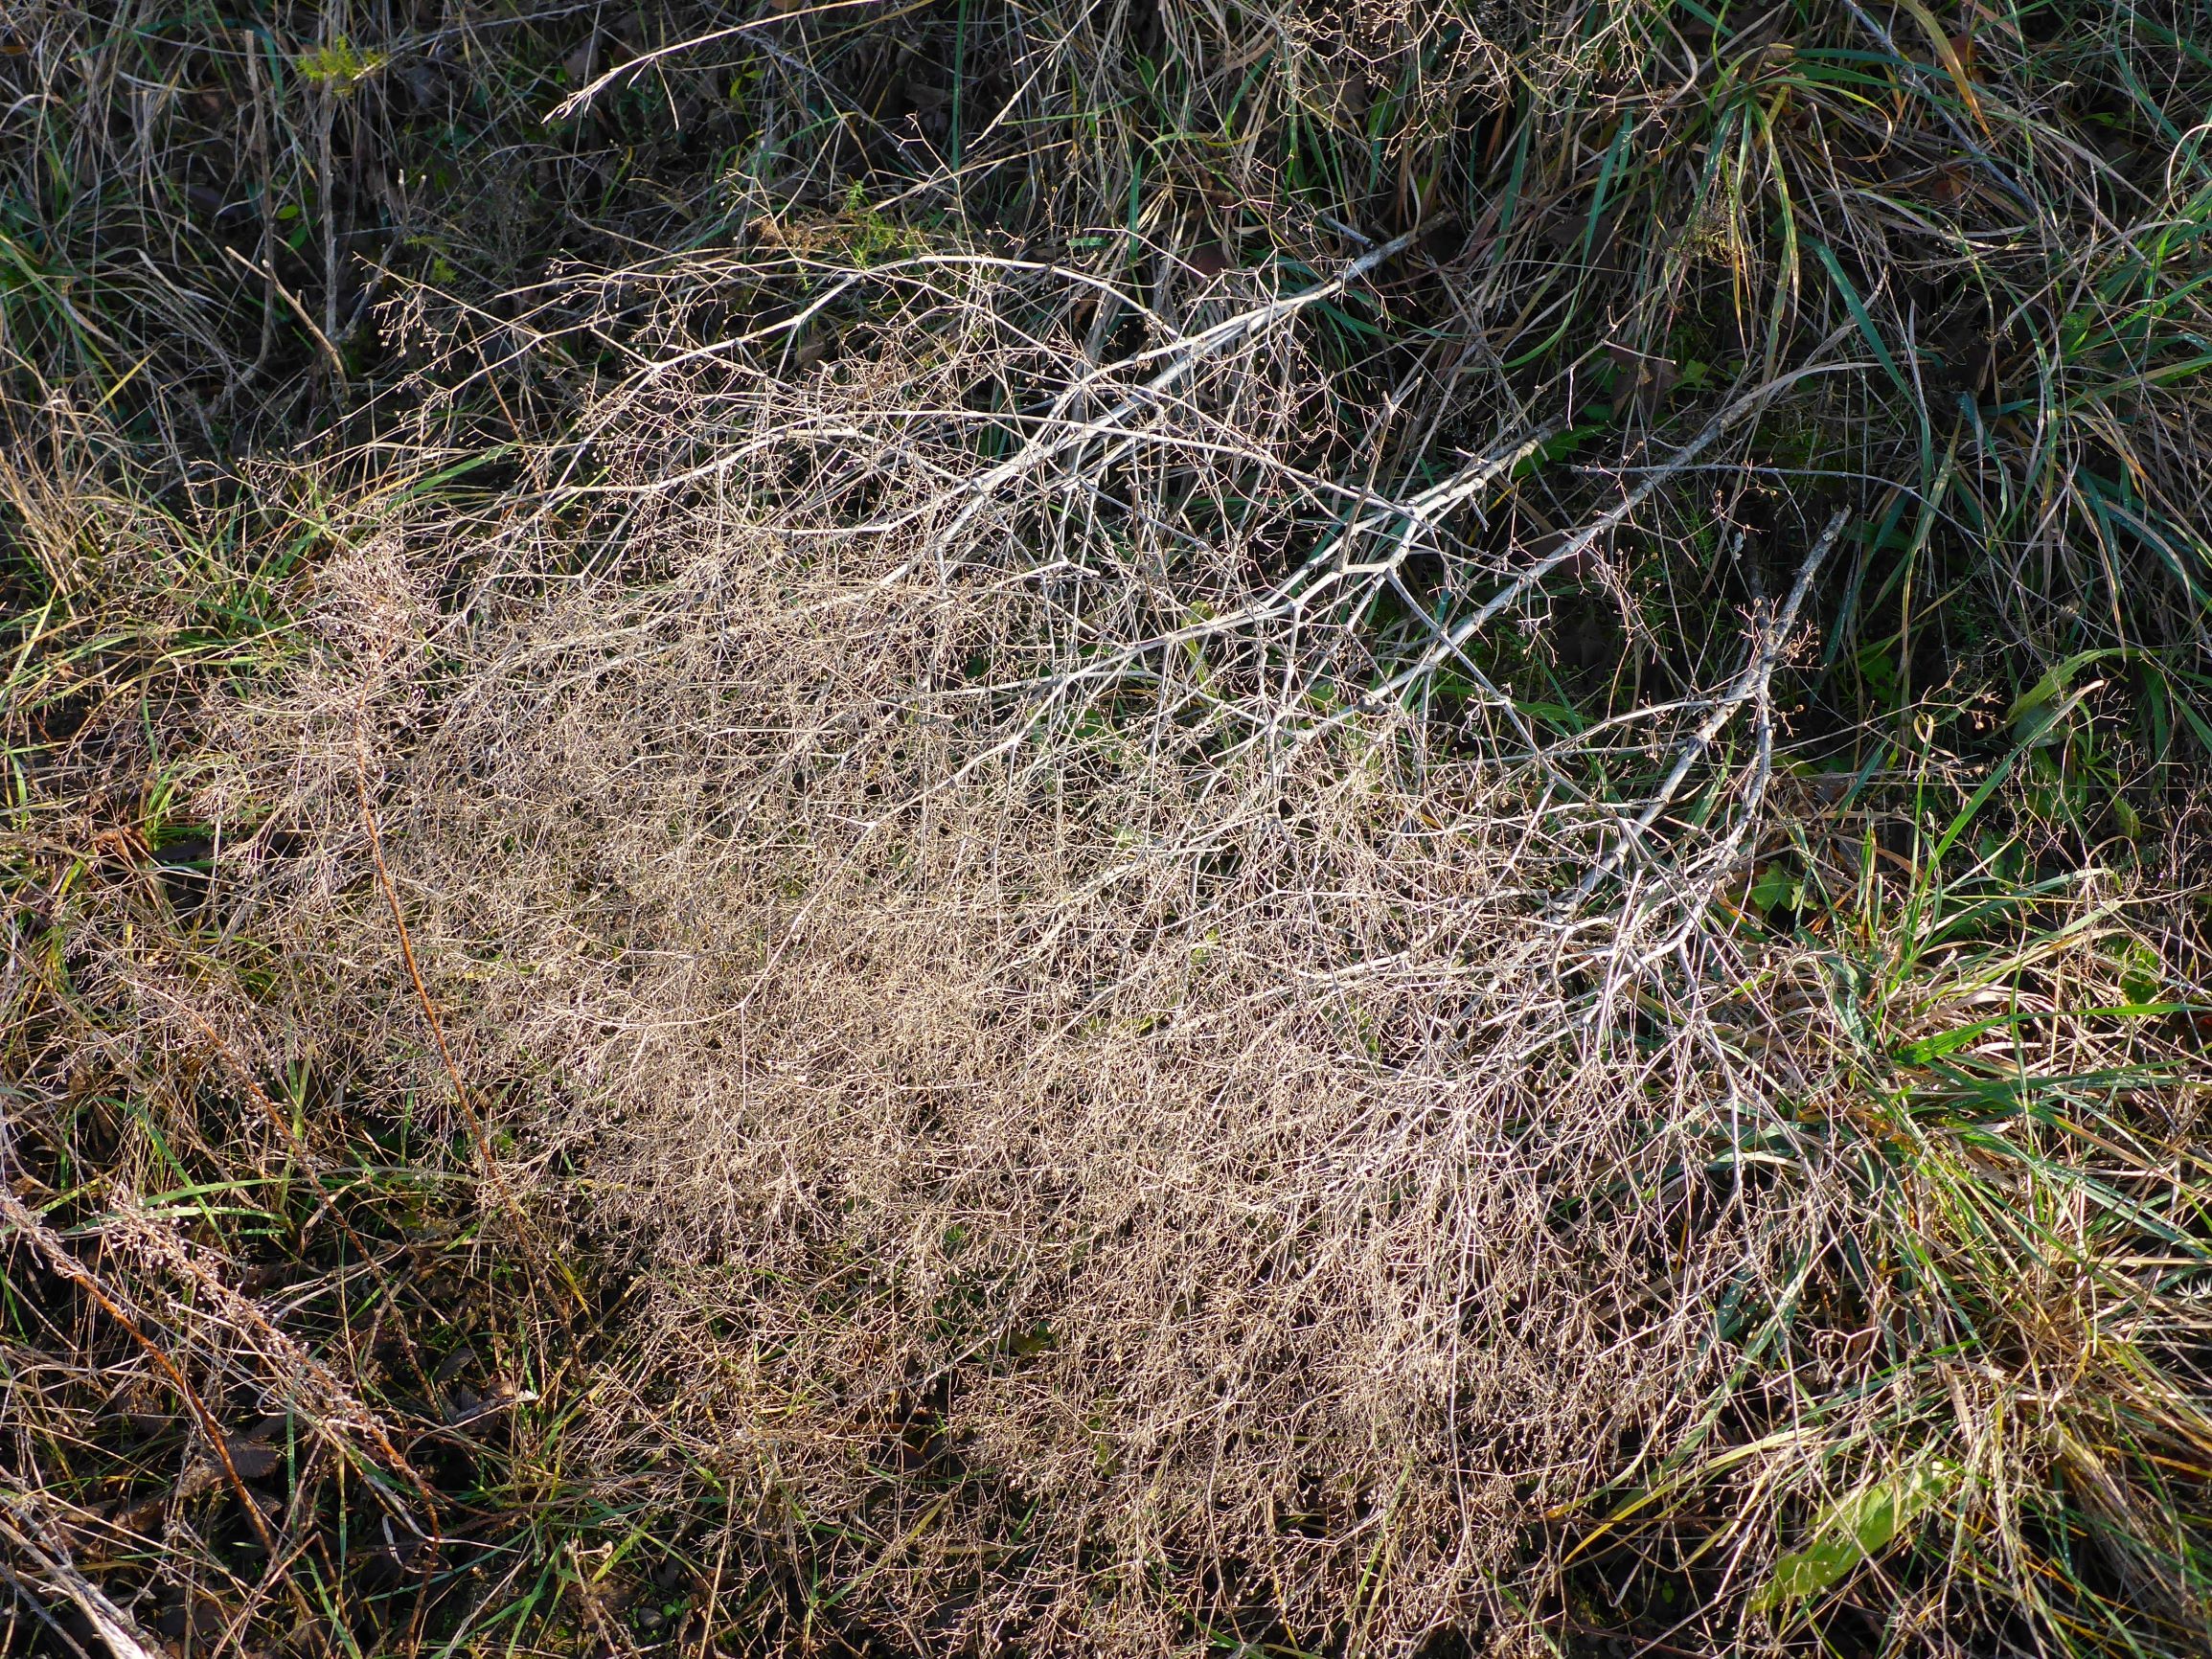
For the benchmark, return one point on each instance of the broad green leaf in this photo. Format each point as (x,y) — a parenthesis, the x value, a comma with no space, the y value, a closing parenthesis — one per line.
(2058,680)
(1854,1530)
(1775,886)
(2142,974)
(1934,1048)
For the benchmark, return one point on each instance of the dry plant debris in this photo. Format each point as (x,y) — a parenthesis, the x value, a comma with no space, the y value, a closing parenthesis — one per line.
(1145,829)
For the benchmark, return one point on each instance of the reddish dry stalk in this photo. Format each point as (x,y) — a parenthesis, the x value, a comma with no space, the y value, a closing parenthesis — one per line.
(525,1228)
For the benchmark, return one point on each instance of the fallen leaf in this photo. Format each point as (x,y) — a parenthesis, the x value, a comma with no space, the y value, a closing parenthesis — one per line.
(252,1459)
(1210,261)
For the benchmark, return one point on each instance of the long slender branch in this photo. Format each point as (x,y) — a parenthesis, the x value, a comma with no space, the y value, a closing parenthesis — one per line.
(1578,543)
(1752,683)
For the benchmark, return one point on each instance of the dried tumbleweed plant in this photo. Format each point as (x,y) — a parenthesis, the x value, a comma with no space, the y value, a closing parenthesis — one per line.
(975,936)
